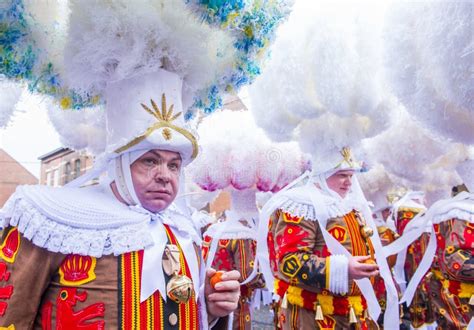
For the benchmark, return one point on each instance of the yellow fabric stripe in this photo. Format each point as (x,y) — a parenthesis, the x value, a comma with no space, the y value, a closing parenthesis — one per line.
(243,260)
(162,318)
(149,312)
(122,277)
(183,271)
(328,271)
(294,317)
(188,315)
(294,296)
(357,244)
(356,238)
(135,290)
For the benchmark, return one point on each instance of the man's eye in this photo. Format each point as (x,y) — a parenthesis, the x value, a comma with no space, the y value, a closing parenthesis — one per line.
(149,161)
(174,167)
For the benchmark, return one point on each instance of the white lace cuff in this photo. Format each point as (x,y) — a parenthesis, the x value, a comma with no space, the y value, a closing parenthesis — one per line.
(338,281)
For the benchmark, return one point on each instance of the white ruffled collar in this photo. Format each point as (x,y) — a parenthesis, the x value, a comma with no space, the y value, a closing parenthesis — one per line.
(460,207)
(232,228)
(297,202)
(86,221)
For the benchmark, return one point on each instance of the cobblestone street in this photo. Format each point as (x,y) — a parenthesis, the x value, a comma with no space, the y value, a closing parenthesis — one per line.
(262,319)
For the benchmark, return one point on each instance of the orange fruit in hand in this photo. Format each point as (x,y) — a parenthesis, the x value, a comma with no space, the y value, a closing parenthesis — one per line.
(216,278)
(370,261)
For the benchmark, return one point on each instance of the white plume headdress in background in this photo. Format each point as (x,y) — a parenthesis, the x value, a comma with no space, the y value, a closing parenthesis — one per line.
(71,50)
(242,157)
(465,169)
(413,157)
(429,60)
(321,85)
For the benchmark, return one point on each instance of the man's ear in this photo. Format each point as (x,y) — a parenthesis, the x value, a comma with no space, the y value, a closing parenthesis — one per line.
(113,186)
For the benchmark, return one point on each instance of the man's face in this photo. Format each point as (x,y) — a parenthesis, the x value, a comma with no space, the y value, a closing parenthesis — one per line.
(155,177)
(340,182)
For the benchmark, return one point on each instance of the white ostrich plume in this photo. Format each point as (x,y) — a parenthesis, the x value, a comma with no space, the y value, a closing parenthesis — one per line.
(321,86)
(429,61)
(236,153)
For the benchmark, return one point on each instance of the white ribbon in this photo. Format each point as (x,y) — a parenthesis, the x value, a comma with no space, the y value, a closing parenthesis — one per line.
(439,212)
(226,229)
(423,267)
(399,268)
(406,200)
(230,321)
(408,237)
(153,277)
(152,272)
(202,303)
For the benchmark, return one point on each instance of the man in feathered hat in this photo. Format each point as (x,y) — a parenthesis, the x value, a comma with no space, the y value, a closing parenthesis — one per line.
(406,205)
(231,244)
(321,243)
(122,254)
(450,255)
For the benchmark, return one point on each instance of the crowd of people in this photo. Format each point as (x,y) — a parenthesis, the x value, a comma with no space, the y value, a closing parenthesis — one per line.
(121,247)
(317,283)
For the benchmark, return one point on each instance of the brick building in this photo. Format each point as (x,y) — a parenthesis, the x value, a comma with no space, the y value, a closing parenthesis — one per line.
(12,174)
(62,165)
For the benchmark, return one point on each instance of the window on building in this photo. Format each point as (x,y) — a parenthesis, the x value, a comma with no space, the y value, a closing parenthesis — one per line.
(55,178)
(67,172)
(49,179)
(77,168)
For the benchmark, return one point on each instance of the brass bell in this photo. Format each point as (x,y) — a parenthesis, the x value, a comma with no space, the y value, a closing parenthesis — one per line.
(179,288)
(366,231)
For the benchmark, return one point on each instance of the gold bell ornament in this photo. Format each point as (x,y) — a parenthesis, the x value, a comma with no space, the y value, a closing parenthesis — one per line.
(366,231)
(180,287)
(352,315)
(319,313)
(284,302)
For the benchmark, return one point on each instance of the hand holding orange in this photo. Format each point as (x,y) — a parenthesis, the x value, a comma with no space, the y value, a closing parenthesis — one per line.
(216,278)
(370,261)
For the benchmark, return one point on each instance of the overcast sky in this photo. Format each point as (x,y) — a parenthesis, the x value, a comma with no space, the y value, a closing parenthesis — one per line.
(29,135)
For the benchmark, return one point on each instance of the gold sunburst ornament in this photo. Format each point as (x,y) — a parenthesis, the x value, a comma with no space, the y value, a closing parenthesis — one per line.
(395,194)
(347,158)
(164,115)
(165,118)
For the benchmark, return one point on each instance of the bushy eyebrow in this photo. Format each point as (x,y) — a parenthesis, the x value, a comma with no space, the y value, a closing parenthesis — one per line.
(346,174)
(177,158)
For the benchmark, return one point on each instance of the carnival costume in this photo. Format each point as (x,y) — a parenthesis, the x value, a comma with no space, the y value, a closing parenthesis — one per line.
(102,256)
(448,254)
(312,234)
(77,257)
(236,242)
